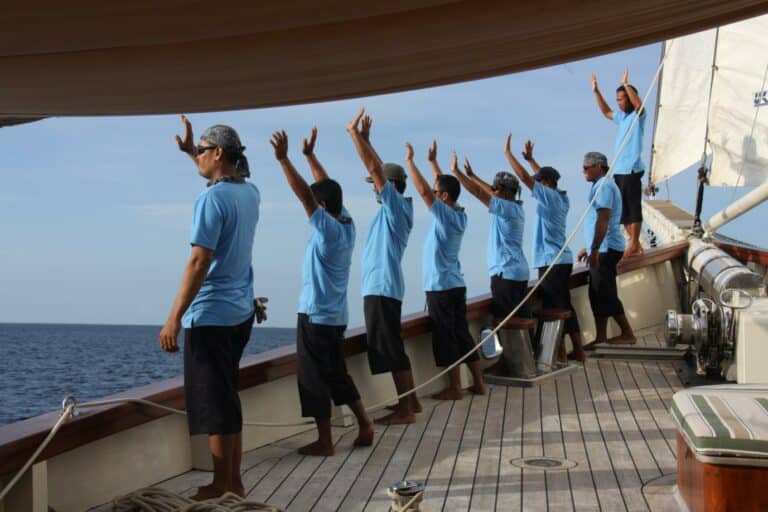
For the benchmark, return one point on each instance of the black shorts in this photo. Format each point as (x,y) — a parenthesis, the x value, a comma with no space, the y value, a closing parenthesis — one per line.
(211,370)
(603,293)
(555,293)
(506,295)
(450,331)
(631,188)
(322,373)
(386,352)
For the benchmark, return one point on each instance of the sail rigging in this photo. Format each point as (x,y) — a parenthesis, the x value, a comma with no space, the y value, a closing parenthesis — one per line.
(711,105)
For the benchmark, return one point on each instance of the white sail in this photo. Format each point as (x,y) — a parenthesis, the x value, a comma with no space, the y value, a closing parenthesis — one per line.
(682,112)
(725,114)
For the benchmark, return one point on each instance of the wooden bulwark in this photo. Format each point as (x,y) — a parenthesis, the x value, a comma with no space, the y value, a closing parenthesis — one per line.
(19,440)
(610,418)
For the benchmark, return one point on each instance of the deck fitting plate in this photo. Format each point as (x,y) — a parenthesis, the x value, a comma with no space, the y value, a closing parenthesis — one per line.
(543,463)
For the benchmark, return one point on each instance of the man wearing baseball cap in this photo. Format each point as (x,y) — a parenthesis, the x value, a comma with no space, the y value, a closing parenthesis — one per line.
(602,231)
(548,239)
(382,281)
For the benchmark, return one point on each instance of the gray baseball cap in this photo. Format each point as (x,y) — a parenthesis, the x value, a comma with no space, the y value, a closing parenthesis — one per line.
(391,172)
(595,158)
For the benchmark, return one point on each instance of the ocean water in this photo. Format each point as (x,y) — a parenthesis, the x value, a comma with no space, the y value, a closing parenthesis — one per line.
(42,363)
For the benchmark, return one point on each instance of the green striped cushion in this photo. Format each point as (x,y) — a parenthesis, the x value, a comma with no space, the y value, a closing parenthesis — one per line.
(730,420)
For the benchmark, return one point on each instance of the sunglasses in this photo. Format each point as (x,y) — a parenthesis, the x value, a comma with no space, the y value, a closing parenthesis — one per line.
(202,149)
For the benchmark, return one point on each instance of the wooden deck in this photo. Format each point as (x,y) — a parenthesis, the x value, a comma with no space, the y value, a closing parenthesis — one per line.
(610,418)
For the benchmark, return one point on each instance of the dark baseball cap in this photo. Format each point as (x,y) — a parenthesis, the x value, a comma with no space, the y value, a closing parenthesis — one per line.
(547,173)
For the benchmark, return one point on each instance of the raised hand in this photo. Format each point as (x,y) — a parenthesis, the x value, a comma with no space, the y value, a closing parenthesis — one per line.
(352,125)
(454,163)
(365,129)
(432,152)
(507,149)
(279,142)
(308,147)
(528,151)
(187,144)
(625,77)
(468,168)
(408,151)
(594,83)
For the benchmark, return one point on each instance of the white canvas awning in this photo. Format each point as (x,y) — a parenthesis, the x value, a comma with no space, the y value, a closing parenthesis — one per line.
(96,57)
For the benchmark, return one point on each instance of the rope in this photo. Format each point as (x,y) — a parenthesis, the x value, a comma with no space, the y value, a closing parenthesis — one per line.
(400,505)
(70,407)
(153,499)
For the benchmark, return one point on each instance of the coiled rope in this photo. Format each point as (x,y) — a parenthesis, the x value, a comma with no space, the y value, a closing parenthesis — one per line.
(153,499)
(70,408)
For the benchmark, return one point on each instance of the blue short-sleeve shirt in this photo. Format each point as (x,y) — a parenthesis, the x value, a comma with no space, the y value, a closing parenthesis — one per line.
(325,271)
(549,231)
(629,160)
(385,245)
(224,221)
(440,265)
(608,197)
(505,240)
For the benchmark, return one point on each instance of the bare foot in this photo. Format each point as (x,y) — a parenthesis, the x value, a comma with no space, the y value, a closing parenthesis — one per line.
(239,490)
(448,394)
(396,418)
(208,492)
(318,449)
(578,355)
(415,405)
(623,339)
(477,389)
(364,436)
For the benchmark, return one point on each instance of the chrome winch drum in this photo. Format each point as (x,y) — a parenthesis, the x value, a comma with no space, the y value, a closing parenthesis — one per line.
(402,495)
(716,271)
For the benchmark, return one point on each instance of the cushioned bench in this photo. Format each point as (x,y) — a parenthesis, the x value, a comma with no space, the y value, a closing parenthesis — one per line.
(722,447)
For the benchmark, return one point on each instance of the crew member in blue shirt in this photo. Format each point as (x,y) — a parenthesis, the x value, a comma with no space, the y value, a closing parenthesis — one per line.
(507,265)
(322,318)
(215,301)
(383,285)
(442,278)
(629,168)
(548,239)
(602,233)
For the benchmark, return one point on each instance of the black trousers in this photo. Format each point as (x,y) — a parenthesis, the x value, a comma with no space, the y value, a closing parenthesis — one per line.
(555,293)
(506,295)
(450,331)
(386,352)
(603,293)
(322,372)
(631,188)
(211,370)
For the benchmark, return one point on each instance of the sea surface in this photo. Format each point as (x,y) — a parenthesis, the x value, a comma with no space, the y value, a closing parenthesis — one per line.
(42,363)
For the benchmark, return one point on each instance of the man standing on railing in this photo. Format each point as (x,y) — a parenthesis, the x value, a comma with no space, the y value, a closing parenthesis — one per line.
(215,303)
(382,282)
(322,319)
(628,168)
(552,205)
(442,279)
(603,234)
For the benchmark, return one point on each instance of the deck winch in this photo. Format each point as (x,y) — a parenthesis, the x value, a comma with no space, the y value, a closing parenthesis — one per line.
(722,285)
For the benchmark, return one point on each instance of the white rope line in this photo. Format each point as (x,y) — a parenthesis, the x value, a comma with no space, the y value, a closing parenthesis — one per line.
(64,417)
(98,403)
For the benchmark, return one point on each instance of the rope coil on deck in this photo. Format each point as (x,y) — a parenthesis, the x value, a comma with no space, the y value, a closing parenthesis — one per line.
(70,405)
(153,499)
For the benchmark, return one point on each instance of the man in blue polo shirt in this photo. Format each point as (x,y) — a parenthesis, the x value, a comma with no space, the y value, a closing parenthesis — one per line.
(322,319)
(629,168)
(507,265)
(548,239)
(382,283)
(442,278)
(215,302)
(602,233)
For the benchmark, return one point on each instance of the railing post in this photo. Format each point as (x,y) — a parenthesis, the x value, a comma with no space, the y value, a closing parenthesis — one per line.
(30,493)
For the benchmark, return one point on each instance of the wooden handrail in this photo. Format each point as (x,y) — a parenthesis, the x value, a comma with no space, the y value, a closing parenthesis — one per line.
(18,440)
(744,253)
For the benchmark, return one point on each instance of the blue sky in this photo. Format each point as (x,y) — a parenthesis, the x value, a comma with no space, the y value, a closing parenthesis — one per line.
(96,211)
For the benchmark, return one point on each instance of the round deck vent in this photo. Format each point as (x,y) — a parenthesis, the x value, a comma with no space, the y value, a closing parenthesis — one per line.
(543,463)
